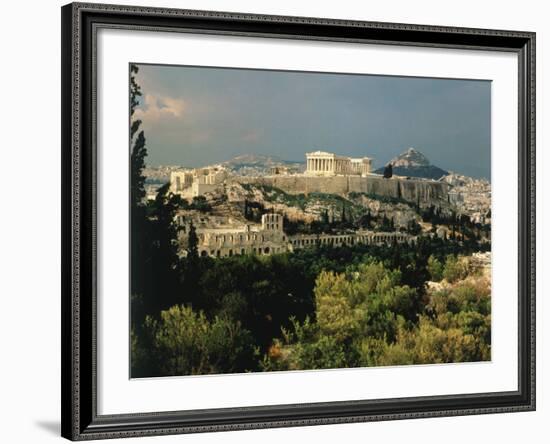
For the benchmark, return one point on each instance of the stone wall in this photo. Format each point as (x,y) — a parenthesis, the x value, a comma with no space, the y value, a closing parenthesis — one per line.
(412,190)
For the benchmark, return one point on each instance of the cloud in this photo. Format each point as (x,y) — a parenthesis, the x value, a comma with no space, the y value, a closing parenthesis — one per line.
(157,108)
(251,136)
(200,136)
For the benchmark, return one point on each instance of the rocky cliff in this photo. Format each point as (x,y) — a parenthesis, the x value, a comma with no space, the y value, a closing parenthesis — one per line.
(418,191)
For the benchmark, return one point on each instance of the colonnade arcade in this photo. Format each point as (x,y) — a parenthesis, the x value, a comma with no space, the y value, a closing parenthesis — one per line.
(327,163)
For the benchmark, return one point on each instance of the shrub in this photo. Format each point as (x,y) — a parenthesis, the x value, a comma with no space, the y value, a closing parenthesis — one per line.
(186,343)
(456,268)
(429,344)
(435,268)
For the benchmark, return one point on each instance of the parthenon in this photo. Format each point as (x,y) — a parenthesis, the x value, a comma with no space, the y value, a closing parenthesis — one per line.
(321,163)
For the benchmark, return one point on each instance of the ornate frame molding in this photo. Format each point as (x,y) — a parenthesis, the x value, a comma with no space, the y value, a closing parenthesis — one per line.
(80,22)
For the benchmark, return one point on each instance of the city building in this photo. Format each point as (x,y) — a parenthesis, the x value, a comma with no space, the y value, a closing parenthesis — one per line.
(196,182)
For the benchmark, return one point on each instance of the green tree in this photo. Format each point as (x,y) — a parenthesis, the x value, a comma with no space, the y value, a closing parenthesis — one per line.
(135,91)
(153,233)
(357,312)
(324,218)
(137,165)
(413,227)
(430,344)
(365,220)
(456,268)
(200,203)
(435,268)
(335,315)
(187,343)
(139,151)
(266,301)
(163,287)
(139,223)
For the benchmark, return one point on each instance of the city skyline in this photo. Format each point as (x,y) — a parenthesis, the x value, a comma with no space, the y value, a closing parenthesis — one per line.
(194,116)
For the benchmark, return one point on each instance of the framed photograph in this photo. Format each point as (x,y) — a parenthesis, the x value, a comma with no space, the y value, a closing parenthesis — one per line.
(280,221)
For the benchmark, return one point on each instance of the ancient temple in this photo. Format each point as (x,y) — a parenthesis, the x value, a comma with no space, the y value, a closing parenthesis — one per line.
(321,163)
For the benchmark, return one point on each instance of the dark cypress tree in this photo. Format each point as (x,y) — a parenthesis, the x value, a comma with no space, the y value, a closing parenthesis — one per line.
(139,151)
(395,254)
(192,269)
(138,220)
(162,289)
(324,218)
(368,218)
(153,233)
(137,164)
(192,243)
(135,94)
(388,171)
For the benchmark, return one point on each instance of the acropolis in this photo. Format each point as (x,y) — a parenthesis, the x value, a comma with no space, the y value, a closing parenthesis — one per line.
(196,182)
(324,173)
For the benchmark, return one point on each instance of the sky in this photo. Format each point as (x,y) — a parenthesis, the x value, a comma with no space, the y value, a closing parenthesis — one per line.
(195,116)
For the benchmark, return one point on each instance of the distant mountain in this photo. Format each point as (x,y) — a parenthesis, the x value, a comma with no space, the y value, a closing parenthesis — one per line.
(413,163)
(254,164)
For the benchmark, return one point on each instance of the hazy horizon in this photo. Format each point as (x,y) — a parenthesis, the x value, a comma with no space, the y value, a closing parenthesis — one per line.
(196,116)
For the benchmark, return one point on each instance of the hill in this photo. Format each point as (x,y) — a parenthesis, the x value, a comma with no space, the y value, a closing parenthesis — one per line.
(259,165)
(413,163)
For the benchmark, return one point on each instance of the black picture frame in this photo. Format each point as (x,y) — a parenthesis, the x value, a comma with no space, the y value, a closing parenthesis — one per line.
(80,420)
